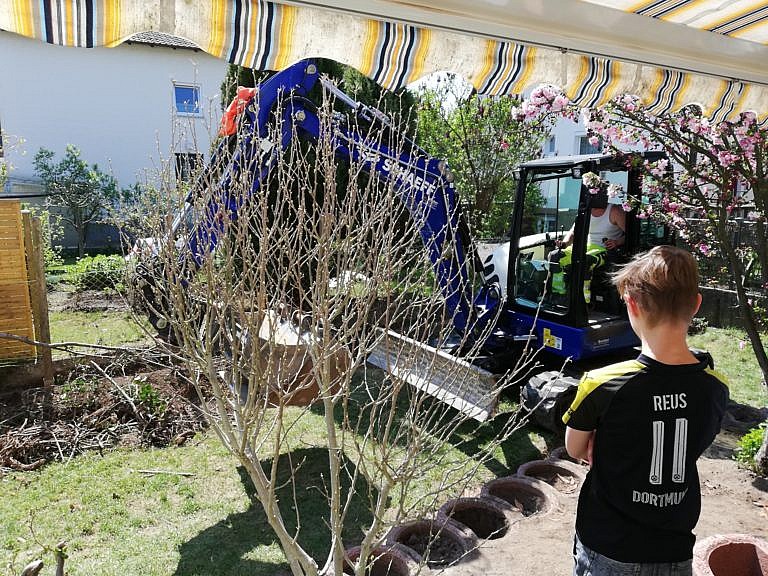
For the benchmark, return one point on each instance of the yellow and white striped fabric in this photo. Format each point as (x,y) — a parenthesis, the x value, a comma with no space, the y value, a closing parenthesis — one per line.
(745,19)
(269,35)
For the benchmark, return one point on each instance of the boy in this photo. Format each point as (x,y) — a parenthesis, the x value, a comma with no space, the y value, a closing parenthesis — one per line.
(642,425)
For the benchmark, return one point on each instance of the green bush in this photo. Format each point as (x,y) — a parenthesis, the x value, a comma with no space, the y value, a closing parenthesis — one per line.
(97,272)
(749,444)
(698,326)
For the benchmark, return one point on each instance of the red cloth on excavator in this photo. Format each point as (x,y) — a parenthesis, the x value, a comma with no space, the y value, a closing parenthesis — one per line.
(236,107)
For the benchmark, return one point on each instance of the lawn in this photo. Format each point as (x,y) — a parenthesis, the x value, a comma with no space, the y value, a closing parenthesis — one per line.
(197,514)
(106,328)
(118,520)
(733,356)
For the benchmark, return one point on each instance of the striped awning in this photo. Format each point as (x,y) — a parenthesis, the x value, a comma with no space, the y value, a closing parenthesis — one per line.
(671,53)
(744,19)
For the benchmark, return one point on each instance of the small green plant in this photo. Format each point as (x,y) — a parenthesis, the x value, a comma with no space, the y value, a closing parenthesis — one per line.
(77,388)
(698,326)
(148,396)
(749,444)
(97,272)
(51,231)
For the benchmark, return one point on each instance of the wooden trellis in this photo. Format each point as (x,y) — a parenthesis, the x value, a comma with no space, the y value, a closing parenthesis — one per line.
(23,299)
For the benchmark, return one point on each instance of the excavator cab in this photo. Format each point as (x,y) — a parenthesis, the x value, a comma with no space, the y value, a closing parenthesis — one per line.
(564,295)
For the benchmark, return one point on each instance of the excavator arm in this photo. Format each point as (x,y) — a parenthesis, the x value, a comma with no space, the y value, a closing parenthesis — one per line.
(422,183)
(262,122)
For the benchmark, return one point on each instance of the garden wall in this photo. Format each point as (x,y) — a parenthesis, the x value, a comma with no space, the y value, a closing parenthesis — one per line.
(721,308)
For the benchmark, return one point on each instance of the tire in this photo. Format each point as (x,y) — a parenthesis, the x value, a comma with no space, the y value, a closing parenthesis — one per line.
(546,397)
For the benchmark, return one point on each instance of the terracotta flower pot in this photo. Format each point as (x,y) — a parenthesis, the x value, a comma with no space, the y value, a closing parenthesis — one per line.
(437,543)
(394,560)
(561,453)
(731,555)
(565,477)
(528,496)
(485,518)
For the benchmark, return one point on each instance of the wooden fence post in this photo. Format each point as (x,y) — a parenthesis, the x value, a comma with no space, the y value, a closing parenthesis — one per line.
(39,293)
(15,308)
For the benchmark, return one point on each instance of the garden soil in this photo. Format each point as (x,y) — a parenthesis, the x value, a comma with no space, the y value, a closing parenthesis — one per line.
(734,501)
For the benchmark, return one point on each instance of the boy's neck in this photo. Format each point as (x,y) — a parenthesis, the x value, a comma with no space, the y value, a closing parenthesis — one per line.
(666,343)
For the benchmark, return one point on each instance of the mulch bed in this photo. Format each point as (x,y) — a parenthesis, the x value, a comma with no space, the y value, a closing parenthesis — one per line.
(93,412)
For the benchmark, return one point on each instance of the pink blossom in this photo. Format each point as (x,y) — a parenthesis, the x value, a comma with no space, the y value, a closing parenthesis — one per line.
(704,249)
(592,181)
(629,102)
(504,145)
(659,168)
(615,190)
(559,102)
(726,158)
(545,99)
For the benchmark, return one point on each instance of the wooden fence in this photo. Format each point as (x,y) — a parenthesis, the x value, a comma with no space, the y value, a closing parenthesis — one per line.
(23,298)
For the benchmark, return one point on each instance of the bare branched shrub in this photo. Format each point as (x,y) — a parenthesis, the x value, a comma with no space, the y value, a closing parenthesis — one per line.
(318,261)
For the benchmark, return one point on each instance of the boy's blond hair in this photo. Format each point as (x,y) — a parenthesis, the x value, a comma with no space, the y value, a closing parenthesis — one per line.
(664,282)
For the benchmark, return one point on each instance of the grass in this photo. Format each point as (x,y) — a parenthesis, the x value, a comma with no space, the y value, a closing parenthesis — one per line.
(733,356)
(119,521)
(108,328)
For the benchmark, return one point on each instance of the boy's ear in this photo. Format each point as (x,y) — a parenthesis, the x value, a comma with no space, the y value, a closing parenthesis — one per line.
(631,304)
(698,304)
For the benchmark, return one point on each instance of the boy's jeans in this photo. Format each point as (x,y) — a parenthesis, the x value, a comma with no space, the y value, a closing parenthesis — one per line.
(590,563)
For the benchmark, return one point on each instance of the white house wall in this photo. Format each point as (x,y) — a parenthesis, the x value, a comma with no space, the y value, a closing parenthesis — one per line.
(115,104)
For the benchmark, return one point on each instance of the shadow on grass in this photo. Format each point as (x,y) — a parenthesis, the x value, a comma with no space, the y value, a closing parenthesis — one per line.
(231,547)
(470,437)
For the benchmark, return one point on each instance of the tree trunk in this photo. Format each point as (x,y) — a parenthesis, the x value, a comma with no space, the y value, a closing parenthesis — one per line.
(761,458)
(80,243)
(80,225)
(762,252)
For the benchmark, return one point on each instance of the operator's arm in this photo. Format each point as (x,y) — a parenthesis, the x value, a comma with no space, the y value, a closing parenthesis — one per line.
(618,218)
(567,239)
(578,443)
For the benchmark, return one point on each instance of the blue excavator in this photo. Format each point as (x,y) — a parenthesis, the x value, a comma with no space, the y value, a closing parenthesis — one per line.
(533,292)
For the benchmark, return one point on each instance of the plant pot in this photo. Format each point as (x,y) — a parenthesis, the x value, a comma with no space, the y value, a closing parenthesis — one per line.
(528,496)
(565,477)
(438,544)
(731,555)
(394,560)
(561,453)
(485,518)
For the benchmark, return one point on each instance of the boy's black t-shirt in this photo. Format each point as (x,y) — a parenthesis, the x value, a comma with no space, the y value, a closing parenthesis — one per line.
(641,498)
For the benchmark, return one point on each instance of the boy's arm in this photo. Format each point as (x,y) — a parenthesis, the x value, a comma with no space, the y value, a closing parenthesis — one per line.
(578,443)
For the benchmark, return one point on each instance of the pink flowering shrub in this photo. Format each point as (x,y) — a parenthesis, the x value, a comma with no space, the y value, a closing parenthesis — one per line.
(714,171)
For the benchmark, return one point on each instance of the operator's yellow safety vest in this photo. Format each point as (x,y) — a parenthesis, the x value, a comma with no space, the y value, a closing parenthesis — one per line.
(562,263)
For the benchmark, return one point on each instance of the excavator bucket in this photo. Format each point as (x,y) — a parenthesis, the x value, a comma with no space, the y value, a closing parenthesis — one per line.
(452,380)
